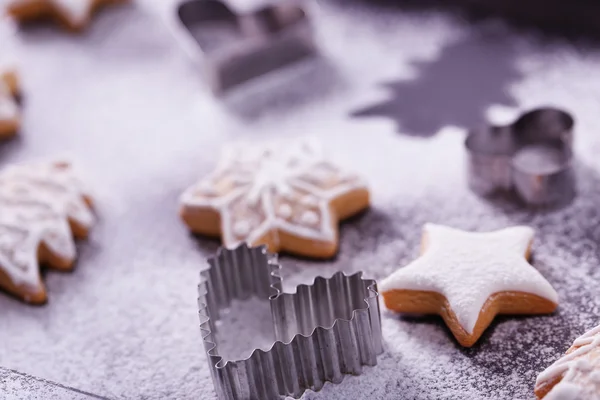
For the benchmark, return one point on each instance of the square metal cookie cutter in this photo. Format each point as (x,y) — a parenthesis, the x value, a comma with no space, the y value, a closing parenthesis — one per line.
(323,331)
(532,156)
(232,48)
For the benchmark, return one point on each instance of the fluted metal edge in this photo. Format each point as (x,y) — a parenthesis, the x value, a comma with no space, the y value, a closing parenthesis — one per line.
(324,330)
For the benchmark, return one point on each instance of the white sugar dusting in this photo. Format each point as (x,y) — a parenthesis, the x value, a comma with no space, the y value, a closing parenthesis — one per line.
(141,264)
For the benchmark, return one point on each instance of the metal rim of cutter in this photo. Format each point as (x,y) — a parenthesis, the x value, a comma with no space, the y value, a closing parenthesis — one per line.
(492,153)
(274,36)
(323,331)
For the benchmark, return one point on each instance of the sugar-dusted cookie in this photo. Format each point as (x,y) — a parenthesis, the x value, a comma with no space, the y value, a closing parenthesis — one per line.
(575,376)
(9,109)
(74,15)
(285,195)
(38,210)
(468,278)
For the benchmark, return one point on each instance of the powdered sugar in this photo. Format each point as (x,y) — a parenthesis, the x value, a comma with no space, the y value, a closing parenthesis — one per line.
(141,265)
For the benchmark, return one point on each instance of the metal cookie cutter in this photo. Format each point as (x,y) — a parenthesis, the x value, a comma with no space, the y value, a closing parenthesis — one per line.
(232,48)
(323,331)
(532,156)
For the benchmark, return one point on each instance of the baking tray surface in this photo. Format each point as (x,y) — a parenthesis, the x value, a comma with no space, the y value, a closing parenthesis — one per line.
(391,97)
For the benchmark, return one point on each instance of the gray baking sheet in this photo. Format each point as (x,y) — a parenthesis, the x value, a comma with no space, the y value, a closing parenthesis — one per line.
(390,97)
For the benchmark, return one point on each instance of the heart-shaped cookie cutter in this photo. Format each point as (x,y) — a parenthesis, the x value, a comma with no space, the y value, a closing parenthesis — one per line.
(532,156)
(232,48)
(323,331)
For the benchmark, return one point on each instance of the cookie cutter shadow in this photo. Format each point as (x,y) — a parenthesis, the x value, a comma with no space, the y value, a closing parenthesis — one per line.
(531,157)
(455,89)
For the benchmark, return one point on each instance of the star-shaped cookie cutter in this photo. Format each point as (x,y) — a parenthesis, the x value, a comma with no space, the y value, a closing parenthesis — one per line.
(323,331)
(532,156)
(233,47)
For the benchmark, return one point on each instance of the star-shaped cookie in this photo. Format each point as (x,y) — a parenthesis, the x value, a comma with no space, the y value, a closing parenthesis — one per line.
(576,375)
(285,195)
(38,210)
(468,278)
(74,15)
(9,109)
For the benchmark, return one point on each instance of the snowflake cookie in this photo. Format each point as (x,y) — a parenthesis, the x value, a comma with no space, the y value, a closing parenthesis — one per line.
(42,206)
(468,278)
(575,376)
(285,195)
(74,15)
(9,109)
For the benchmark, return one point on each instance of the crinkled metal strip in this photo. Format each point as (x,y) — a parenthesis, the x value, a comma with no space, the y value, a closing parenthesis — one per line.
(323,331)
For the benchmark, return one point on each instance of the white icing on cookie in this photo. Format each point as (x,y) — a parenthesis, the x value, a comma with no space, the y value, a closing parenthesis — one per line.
(309,200)
(51,184)
(34,209)
(53,227)
(255,177)
(18,254)
(309,218)
(285,211)
(579,370)
(241,228)
(468,267)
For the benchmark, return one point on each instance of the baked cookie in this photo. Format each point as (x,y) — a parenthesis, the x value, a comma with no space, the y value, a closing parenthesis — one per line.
(286,195)
(37,214)
(74,15)
(468,278)
(9,109)
(575,376)
(56,185)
